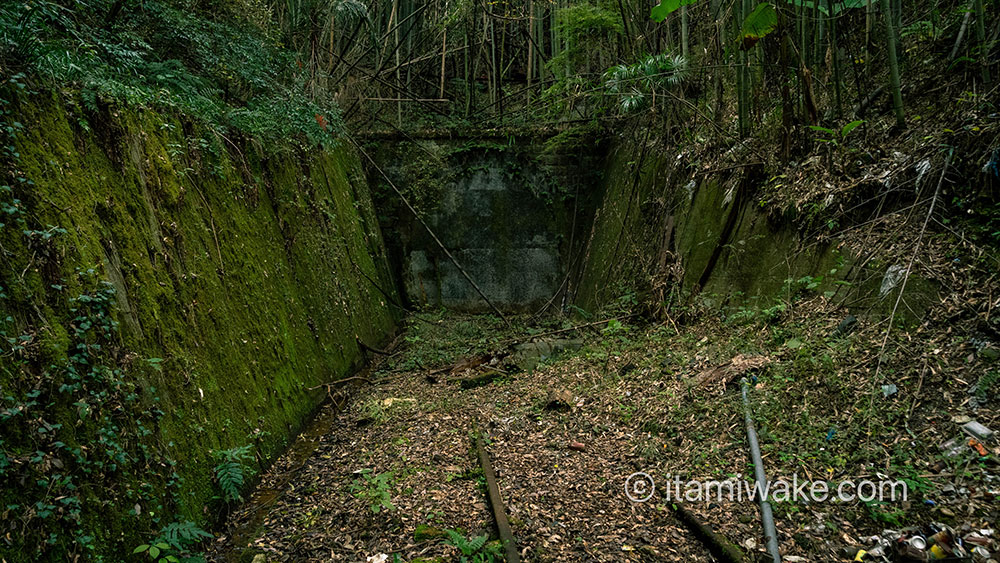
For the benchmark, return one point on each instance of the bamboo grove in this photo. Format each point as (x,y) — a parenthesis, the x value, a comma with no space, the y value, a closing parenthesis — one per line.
(405,64)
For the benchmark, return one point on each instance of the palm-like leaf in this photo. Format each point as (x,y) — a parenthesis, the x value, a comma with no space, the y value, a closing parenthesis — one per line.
(350,10)
(635,82)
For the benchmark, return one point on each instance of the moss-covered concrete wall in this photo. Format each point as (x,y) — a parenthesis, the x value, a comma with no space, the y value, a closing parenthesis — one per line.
(519,214)
(667,228)
(622,246)
(508,209)
(242,277)
(663,227)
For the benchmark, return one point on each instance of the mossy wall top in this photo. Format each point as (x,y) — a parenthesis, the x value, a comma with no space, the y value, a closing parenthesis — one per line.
(241,281)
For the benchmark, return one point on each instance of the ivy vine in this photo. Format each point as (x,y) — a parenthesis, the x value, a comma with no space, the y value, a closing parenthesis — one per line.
(78,420)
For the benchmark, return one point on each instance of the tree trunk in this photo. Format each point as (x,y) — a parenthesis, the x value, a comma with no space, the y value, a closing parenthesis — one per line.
(817,58)
(554,30)
(784,65)
(961,35)
(743,76)
(897,22)
(835,53)
(984,56)
(470,65)
(684,30)
(720,30)
(531,44)
(444,51)
(500,66)
(869,22)
(399,104)
(494,73)
(897,95)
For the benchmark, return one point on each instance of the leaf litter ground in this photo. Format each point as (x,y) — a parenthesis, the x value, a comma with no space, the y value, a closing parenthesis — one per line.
(661,398)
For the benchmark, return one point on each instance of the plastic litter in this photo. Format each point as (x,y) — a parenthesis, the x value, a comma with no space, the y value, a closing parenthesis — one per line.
(954,447)
(932,542)
(979,447)
(845,327)
(978,431)
(893,275)
(971,441)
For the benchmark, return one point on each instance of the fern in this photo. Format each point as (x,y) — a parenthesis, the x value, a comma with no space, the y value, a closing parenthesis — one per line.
(476,543)
(474,549)
(351,11)
(182,535)
(638,82)
(230,476)
(175,543)
(230,472)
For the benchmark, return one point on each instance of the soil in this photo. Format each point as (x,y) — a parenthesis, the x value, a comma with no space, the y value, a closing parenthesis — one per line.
(655,397)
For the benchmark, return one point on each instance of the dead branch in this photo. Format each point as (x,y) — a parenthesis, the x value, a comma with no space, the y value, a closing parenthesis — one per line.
(341,381)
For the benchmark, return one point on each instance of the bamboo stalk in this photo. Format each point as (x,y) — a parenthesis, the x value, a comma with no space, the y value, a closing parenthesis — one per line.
(897,95)
(378,99)
(444,51)
(981,39)
(835,53)
(531,43)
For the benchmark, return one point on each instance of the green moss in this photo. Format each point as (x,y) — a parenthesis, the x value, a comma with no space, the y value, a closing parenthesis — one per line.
(628,225)
(240,269)
(425,532)
(725,245)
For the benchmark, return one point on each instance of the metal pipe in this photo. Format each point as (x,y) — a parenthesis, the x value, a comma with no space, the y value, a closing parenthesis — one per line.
(766,516)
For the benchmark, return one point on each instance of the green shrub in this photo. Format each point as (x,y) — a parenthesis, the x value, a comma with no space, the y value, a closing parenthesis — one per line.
(223,71)
(374,488)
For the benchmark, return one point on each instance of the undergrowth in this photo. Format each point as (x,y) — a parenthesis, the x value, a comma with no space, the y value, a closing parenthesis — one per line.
(208,62)
(231,472)
(375,489)
(474,549)
(438,338)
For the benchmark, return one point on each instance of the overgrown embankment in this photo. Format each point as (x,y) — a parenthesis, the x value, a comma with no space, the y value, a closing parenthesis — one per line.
(170,298)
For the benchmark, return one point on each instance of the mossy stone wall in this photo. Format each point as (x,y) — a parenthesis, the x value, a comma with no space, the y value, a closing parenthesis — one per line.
(668,228)
(243,270)
(663,226)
